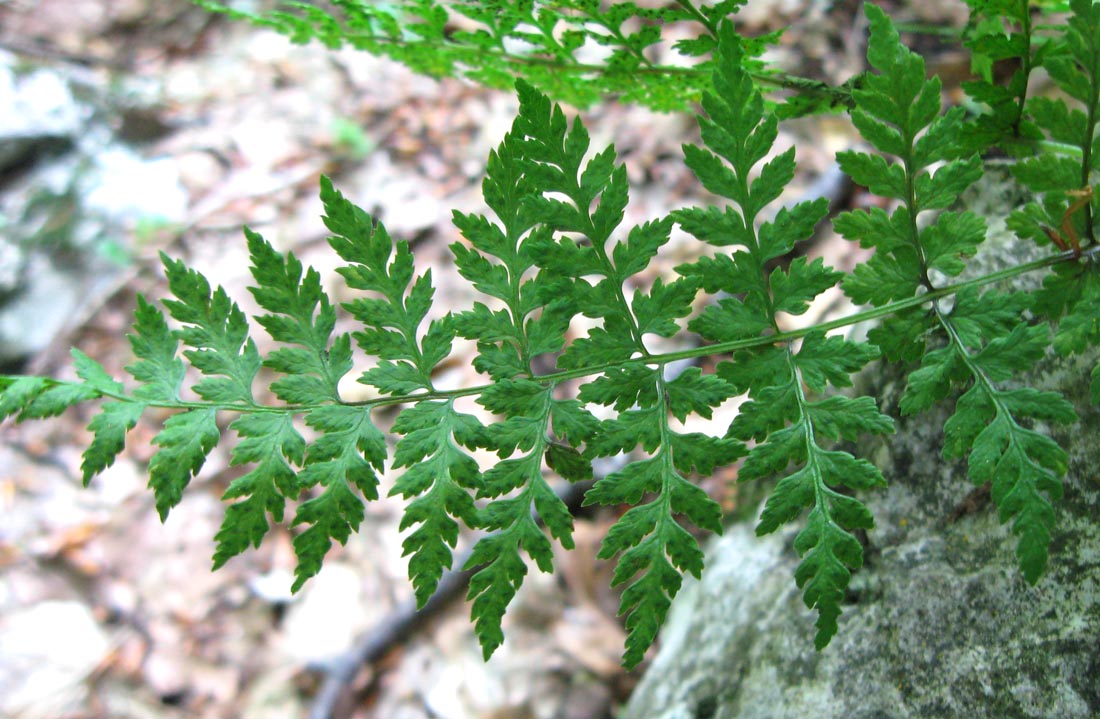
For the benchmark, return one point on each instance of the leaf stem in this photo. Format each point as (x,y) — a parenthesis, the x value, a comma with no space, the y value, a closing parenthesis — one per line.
(711,26)
(658,359)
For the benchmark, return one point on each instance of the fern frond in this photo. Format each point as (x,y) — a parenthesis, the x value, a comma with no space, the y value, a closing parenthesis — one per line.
(440,474)
(982,340)
(554,248)
(391,323)
(500,261)
(1069,212)
(1003,31)
(541,162)
(550,45)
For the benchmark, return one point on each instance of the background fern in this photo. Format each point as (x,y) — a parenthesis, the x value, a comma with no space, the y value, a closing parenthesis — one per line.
(555,251)
(577,51)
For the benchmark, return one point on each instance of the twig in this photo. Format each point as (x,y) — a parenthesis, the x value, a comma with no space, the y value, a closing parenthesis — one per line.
(405,619)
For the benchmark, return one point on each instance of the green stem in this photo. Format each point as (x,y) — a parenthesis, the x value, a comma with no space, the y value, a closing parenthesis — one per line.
(711,26)
(975,371)
(809,440)
(719,348)
(1086,150)
(1026,60)
(476,57)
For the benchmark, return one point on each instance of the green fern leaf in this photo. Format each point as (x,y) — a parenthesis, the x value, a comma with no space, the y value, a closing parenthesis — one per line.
(18,393)
(391,324)
(300,314)
(350,448)
(158,368)
(37,398)
(478,41)
(830,360)
(1023,465)
(494,586)
(659,559)
(596,194)
(985,341)
(439,475)
(269,443)
(829,552)
(184,443)
(52,401)
(343,459)
(1069,294)
(217,330)
(554,248)
(779,417)
(109,429)
(1003,32)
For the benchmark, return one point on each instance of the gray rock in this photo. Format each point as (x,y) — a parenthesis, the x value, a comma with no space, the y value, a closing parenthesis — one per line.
(940,622)
(50,650)
(41,113)
(71,195)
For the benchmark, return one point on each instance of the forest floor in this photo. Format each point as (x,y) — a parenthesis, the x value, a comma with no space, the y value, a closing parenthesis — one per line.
(106,612)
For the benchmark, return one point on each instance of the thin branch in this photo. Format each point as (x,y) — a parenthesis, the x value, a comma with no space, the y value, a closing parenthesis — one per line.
(375,643)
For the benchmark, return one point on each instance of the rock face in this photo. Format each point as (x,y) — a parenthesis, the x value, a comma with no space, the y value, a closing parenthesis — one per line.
(940,622)
(72,192)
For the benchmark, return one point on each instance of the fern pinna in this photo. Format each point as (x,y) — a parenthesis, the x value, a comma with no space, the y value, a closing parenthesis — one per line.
(982,338)
(786,424)
(553,250)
